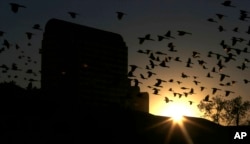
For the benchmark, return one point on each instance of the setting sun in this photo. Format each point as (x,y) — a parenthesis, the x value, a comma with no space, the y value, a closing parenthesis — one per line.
(178,117)
(177,110)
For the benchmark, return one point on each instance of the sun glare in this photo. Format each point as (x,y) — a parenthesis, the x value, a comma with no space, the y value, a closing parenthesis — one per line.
(177,117)
(177,110)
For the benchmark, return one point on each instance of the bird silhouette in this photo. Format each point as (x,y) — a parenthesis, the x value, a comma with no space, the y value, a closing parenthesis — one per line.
(215,90)
(243,17)
(156,91)
(73,14)
(182,33)
(190,102)
(183,75)
(184,88)
(246,81)
(228,92)
(134,67)
(236,29)
(220,16)
(206,99)
(160,53)
(168,35)
(141,40)
(227,3)
(158,83)
(222,76)
(160,37)
(37,27)
(131,74)
(137,82)
(150,74)
(152,64)
(120,15)
(171,47)
(177,59)
(146,37)
(248,30)
(196,82)
(191,91)
(167,100)
(142,76)
(163,64)
(221,28)
(202,88)
(15,7)
(178,82)
(189,62)
(29,35)
(2,33)
(212,20)
(242,67)
(171,80)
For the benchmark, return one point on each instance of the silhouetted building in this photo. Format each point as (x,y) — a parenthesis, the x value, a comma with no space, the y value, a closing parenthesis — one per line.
(138,100)
(83,64)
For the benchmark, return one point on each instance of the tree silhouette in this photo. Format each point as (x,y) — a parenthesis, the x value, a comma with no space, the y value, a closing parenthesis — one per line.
(225,112)
(239,109)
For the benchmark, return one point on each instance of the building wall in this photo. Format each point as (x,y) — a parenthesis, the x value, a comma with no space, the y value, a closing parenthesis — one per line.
(138,100)
(83,64)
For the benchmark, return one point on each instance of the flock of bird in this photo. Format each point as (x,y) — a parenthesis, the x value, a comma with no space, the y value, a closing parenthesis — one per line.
(12,71)
(160,59)
(143,75)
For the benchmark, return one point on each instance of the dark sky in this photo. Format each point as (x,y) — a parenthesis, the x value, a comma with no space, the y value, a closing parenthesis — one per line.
(142,17)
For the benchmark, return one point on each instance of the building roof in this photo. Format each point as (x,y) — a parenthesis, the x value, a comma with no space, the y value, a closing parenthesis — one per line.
(61,27)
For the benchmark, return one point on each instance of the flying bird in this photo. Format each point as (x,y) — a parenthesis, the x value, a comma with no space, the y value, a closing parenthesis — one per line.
(190,102)
(228,92)
(222,76)
(167,100)
(221,28)
(134,67)
(29,35)
(163,64)
(156,91)
(202,88)
(73,14)
(137,82)
(215,90)
(2,33)
(37,27)
(220,16)
(150,74)
(160,37)
(168,35)
(6,43)
(212,20)
(248,30)
(183,75)
(227,3)
(206,98)
(146,37)
(15,7)
(196,82)
(246,81)
(142,76)
(120,15)
(158,83)
(195,54)
(191,91)
(182,33)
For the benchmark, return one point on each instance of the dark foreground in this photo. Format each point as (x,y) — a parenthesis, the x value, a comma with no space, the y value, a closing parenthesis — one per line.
(33,119)
(111,125)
